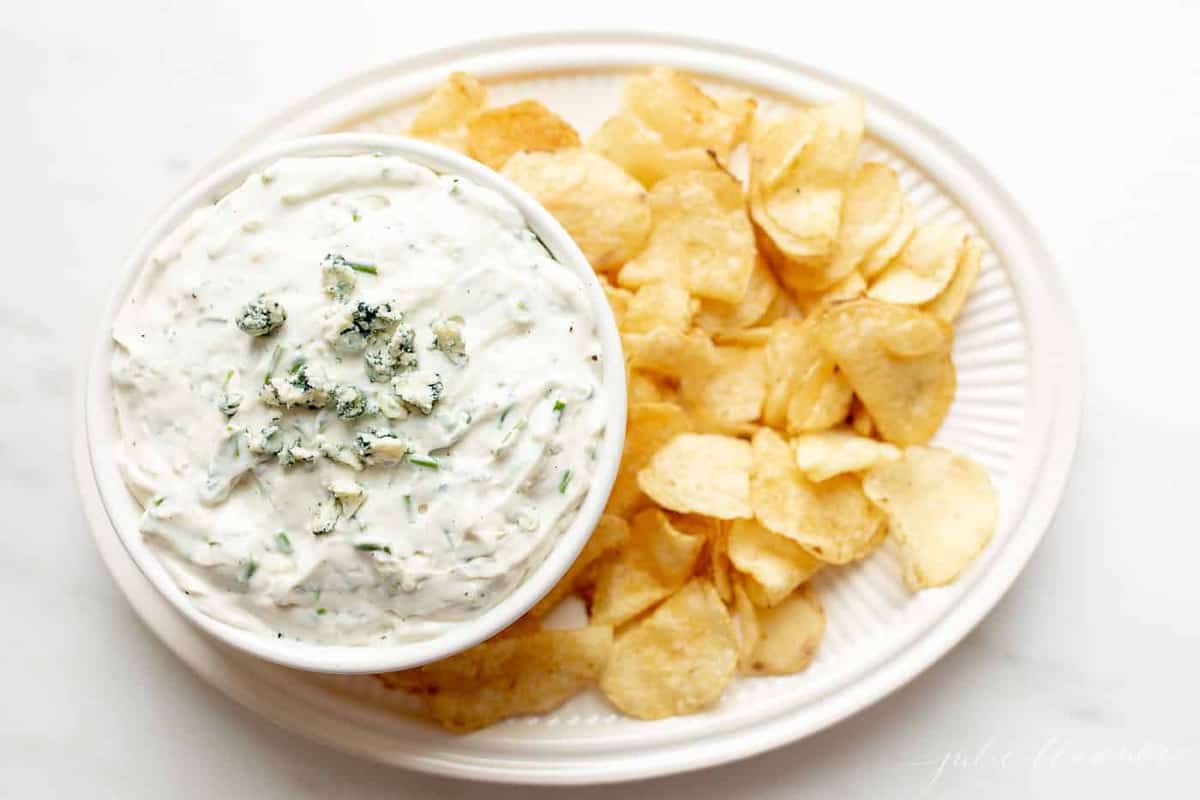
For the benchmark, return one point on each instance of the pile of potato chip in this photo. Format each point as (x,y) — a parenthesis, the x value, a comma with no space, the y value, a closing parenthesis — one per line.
(787,341)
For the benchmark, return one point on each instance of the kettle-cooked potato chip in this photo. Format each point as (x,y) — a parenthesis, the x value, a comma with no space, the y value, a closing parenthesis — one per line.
(678,660)
(443,116)
(788,634)
(611,533)
(659,305)
(684,116)
(701,239)
(860,419)
(833,520)
(658,560)
(493,136)
(947,304)
(852,286)
(513,675)
(874,206)
(941,507)
(824,454)
(618,301)
(745,623)
(797,370)
(716,316)
(831,406)
(776,563)
(605,211)
(908,397)
(640,150)
(648,427)
(732,391)
(647,388)
(889,248)
(670,352)
(698,473)
(924,267)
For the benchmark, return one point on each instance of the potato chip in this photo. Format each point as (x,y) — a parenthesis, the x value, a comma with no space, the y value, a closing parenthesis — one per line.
(645,388)
(947,304)
(732,391)
(513,675)
(493,136)
(658,561)
(678,660)
(874,207)
(776,563)
(716,316)
(747,337)
(701,240)
(797,370)
(833,520)
(860,419)
(924,267)
(848,288)
(639,150)
(720,568)
(700,474)
(648,428)
(801,165)
(745,623)
(941,508)
(908,397)
(889,248)
(665,351)
(660,305)
(831,406)
(443,116)
(618,301)
(611,533)
(683,115)
(605,211)
(789,634)
(822,455)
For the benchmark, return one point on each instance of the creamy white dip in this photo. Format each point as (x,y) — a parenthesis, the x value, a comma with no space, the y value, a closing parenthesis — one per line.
(358,401)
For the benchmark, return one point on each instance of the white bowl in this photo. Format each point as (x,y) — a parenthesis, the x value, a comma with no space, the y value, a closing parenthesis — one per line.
(123,511)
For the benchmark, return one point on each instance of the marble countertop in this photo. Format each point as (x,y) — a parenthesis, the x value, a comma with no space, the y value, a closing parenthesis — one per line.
(1083,680)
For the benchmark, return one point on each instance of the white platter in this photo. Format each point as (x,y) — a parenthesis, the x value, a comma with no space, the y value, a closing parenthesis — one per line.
(1017,412)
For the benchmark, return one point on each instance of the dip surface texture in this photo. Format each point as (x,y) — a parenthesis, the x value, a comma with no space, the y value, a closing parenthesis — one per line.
(358,401)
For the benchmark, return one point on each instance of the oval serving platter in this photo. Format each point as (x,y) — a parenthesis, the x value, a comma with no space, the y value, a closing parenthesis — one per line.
(1017,412)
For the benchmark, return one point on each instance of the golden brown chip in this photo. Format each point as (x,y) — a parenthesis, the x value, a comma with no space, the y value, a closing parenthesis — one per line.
(645,388)
(924,267)
(669,352)
(611,533)
(797,370)
(830,407)
(908,397)
(732,390)
(941,508)
(443,116)
(860,419)
(947,304)
(605,211)
(684,116)
(678,660)
(873,208)
(719,567)
(747,337)
(493,136)
(640,150)
(658,560)
(789,634)
(660,305)
(745,623)
(833,520)
(698,473)
(648,428)
(701,240)
(513,675)
(801,165)
(848,288)
(889,248)
(822,455)
(618,301)
(776,563)
(716,316)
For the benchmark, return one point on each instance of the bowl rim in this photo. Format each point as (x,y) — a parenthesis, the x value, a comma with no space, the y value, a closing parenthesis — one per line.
(100,425)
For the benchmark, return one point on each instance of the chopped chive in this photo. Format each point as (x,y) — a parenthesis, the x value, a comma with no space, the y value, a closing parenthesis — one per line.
(371,547)
(248,571)
(320,612)
(285,544)
(370,269)
(228,378)
(421,461)
(504,414)
(296,365)
(562,485)
(158,501)
(354,216)
(559,405)
(273,364)
(408,505)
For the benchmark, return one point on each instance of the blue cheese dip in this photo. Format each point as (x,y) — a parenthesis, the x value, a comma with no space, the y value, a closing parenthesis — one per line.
(357,401)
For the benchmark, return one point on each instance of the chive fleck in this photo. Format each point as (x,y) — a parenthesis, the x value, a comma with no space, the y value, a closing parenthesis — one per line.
(372,547)
(285,544)
(562,485)
(421,461)
(158,501)
(559,405)
(248,571)
(408,505)
(296,365)
(370,269)
(321,611)
(228,378)
(273,364)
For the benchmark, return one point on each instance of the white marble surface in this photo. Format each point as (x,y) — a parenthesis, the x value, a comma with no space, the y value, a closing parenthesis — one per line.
(1084,677)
